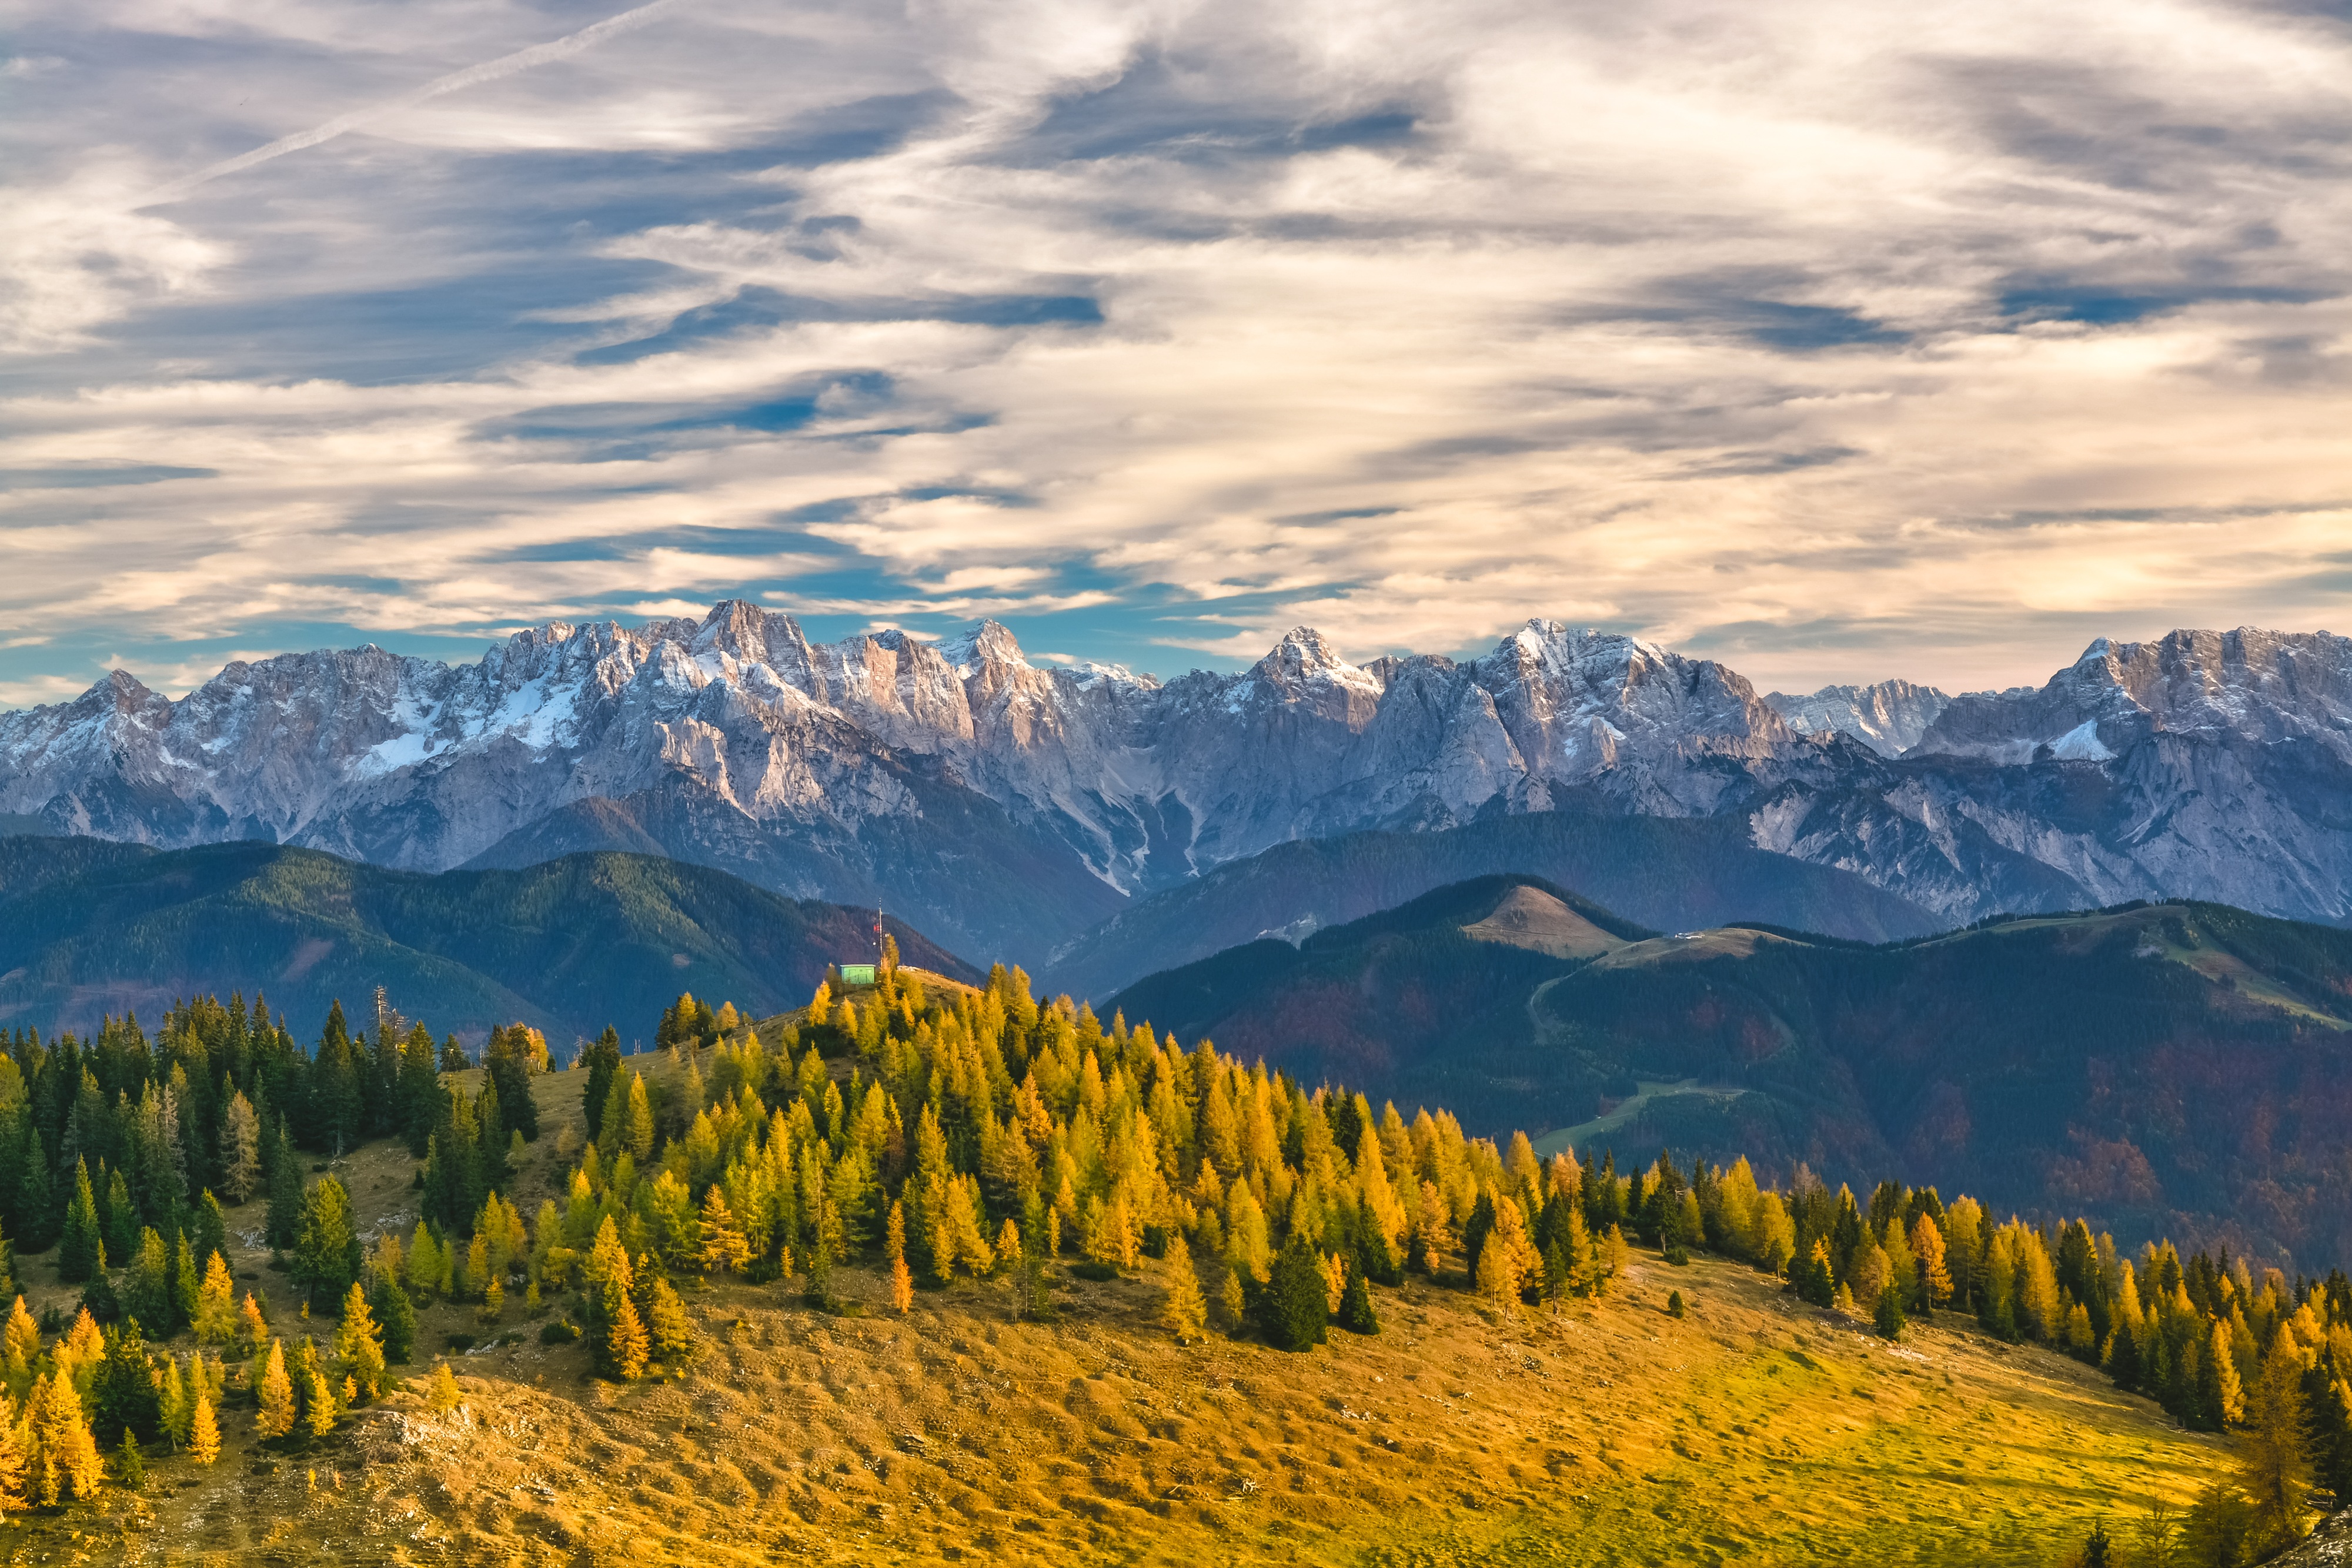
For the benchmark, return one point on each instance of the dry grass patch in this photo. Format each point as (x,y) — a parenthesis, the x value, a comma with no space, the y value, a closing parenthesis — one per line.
(1755,1430)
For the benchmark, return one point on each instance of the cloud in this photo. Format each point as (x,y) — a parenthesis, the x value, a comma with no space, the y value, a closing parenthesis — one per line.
(1836,342)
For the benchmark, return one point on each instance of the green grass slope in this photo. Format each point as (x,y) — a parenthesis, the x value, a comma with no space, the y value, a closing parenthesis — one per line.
(567,945)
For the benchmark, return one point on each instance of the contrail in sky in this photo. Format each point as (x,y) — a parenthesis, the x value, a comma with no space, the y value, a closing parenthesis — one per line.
(489,71)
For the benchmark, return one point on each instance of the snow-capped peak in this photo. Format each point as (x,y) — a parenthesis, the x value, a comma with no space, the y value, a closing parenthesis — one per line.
(981,643)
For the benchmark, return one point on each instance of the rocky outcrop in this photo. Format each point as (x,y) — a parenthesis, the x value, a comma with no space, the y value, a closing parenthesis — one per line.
(1888,717)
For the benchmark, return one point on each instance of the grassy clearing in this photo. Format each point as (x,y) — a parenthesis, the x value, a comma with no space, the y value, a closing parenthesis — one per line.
(1754,1431)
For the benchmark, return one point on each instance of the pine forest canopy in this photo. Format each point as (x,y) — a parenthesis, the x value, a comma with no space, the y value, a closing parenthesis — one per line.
(938,1130)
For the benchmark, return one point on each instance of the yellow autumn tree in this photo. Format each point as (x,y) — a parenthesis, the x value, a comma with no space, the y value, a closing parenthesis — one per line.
(1928,1248)
(1185,1312)
(276,1392)
(204,1432)
(724,1251)
(65,1462)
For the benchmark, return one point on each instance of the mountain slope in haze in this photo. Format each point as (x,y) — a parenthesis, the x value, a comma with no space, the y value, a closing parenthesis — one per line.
(1009,809)
(2181,1069)
(1668,872)
(569,946)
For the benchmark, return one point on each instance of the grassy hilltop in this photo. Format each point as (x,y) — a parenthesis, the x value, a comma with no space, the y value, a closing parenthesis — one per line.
(1754,1429)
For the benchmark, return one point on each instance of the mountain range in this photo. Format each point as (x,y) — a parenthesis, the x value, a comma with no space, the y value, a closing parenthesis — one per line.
(89,928)
(1008,808)
(2169,1069)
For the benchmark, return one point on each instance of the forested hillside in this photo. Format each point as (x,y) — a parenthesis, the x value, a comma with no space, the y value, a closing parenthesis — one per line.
(89,928)
(2176,1069)
(982,1160)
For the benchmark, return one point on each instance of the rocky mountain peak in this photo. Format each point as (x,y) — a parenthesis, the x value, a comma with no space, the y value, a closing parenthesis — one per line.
(984,644)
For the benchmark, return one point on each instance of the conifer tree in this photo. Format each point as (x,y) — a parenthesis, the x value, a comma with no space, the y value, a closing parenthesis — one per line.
(389,1300)
(1231,1301)
(724,1251)
(622,1345)
(327,1250)
(285,1183)
(124,1391)
(252,1328)
(2272,1466)
(186,1284)
(215,1314)
(603,1060)
(1185,1312)
(65,1462)
(669,1334)
(120,1217)
(20,1351)
(1934,1285)
(2218,1391)
(636,1127)
(13,1465)
(149,1293)
(1296,1302)
(204,1432)
(1356,1314)
(129,1464)
(240,1151)
(1889,1315)
(81,1249)
(359,1344)
(276,1395)
(444,1395)
(320,1411)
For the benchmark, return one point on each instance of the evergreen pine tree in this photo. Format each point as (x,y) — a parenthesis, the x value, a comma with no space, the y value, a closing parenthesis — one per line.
(327,1250)
(388,1300)
(1297,1304)
(285,1180)
(124,1394)
(149,1292)
(211,1228)
(1889,1316)
(603,1060)
(129,1465)
(418,1096)
(79,1252)
(120,1217)
(1356,1313)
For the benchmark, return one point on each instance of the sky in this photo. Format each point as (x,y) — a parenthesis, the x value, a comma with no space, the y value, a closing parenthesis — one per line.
(1835,339)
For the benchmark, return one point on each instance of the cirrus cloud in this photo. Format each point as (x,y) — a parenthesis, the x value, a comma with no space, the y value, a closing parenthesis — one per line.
(1836,342)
